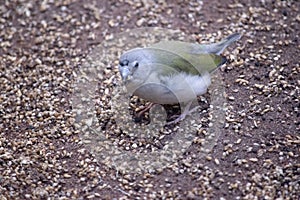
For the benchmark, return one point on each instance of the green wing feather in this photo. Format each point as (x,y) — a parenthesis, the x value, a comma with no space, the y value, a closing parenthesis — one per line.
(171,61)
(185,47)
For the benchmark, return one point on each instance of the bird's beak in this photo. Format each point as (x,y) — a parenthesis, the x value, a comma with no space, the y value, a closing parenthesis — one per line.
(124,71)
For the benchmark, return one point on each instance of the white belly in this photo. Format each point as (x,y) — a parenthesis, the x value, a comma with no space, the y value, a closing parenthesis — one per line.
(180,87)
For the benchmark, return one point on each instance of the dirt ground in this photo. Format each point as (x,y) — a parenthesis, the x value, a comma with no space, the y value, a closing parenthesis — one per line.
(43,44)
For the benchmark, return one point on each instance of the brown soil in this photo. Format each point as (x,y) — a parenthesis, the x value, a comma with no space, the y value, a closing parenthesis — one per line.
(41,152)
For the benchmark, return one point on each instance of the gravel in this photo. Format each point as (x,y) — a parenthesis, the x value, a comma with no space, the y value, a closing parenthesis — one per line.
(244,143)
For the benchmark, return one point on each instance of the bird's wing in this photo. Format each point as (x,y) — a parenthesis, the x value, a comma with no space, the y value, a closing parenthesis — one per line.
(196,48)
(204,62)
(194,64)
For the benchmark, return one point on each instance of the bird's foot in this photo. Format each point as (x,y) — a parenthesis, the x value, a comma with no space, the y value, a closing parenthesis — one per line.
(182,116)
(141,112)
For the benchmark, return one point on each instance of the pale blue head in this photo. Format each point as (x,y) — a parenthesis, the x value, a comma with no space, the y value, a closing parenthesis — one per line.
(129,63)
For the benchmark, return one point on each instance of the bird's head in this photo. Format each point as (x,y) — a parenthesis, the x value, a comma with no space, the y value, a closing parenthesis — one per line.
(129,63)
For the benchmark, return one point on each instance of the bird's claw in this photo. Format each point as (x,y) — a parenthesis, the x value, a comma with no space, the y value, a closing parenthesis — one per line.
(182,116)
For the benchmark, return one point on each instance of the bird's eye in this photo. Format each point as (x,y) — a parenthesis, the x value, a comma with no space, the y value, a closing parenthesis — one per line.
(124,63)
(135,64)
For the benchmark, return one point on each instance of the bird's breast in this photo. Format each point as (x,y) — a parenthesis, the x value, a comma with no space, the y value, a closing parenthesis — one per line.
(171,89)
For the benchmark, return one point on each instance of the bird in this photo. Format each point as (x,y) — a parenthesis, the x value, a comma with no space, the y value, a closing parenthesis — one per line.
(171,72)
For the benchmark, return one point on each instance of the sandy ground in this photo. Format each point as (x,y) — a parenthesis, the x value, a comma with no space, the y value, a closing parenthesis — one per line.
(43,154)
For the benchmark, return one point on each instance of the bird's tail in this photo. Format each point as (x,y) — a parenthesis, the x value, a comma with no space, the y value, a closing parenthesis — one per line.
(219,47)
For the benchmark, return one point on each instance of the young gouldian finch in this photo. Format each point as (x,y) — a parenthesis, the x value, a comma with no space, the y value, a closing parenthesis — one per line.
(171,72)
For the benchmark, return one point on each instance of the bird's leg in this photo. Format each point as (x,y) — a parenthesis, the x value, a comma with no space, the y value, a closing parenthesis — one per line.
(186,112)
(145,109)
